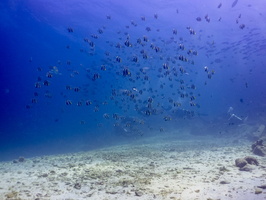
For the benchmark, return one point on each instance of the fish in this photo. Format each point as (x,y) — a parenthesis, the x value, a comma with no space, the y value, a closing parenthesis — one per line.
(198,19)
(76,89)
(207,18)
(234,3)
(68,102)
(174,31)
(242,26)
(70,30)
(140,73)
(46,83)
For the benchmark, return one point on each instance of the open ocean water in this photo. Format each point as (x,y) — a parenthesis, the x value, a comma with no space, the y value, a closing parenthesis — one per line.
(79,75)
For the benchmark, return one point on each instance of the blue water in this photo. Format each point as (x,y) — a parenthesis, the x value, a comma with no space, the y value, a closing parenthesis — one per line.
(37,41)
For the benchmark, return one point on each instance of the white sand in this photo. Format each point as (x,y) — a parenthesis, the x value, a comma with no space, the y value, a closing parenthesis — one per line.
(147,170)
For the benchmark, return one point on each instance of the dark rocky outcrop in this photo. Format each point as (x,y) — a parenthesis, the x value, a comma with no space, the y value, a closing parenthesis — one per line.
(21,159)
(244,164)
(259,147)
(240,162)
(251,160)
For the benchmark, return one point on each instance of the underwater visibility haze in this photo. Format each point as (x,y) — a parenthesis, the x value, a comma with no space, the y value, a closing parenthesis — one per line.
(78,75)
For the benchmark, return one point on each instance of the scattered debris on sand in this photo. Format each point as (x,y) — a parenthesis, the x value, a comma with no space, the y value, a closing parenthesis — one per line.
(191,169)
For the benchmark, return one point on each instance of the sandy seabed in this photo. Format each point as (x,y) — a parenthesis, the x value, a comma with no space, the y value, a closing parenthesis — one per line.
(153,168)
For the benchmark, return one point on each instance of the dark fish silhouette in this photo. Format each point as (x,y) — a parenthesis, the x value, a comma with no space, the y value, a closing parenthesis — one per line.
(234,3)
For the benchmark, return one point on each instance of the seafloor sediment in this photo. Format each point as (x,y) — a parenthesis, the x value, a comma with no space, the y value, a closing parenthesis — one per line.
(158,168)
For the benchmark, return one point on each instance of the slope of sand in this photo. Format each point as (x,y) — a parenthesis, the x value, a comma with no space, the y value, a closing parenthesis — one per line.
(157,168)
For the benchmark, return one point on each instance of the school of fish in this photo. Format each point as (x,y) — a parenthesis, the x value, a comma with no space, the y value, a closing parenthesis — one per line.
(133,76)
